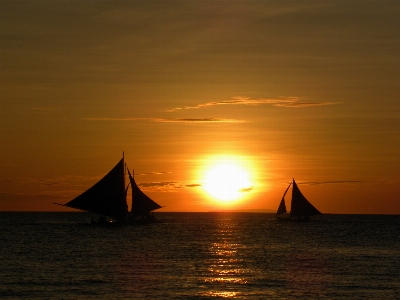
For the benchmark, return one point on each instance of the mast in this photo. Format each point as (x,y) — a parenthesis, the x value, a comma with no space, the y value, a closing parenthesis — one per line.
(131,180)
(123,159)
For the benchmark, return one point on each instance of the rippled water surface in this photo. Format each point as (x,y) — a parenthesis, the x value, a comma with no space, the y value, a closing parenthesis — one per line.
(200,256)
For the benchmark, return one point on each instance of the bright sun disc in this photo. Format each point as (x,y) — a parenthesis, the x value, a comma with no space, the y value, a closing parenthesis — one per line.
(226,181)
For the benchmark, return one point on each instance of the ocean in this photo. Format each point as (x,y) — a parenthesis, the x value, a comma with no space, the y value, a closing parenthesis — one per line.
(200,256)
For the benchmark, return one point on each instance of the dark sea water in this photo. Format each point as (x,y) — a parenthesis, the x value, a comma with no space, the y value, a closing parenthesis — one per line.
(200,256)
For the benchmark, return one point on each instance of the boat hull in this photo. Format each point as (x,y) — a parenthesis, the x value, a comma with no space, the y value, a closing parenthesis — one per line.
(287,218)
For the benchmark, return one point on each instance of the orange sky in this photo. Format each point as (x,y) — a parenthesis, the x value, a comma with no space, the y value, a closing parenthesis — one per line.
(308,90)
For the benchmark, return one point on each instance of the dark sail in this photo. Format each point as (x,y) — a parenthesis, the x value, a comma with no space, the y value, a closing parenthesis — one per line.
(141,203)
(282,205)
(300,205)
(106,197)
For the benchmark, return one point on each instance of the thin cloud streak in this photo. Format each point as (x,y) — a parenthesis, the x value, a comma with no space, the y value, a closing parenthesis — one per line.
(283,102)
(162,120)
(151,173)
(192,185)
(166,186)
(330,182)
(204,120)
(158,184)
(247,189)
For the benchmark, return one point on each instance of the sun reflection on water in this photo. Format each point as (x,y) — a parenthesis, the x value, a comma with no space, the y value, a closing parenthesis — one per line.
(221,294)
(226,271)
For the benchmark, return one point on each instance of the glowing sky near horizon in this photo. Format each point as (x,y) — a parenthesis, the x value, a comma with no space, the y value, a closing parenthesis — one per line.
(294,89)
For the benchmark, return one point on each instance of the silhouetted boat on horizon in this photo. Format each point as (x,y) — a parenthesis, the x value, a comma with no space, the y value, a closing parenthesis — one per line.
(108,199)
(301,208)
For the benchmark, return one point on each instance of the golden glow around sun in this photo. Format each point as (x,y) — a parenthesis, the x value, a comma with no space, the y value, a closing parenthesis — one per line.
(226,179)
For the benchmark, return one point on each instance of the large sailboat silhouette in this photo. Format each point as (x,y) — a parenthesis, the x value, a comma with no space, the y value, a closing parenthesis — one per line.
(301,208)
(108,198)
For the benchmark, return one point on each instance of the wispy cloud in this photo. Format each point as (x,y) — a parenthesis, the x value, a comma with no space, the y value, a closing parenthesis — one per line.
(192,185)
(282,102)
(164,120)
(170,186)
(158,184)
(166,186)
(204,120)
(152,173)
(246,189)
(331,182)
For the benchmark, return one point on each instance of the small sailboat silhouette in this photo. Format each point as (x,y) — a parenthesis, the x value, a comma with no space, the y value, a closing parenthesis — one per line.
(301,208)
(108,198)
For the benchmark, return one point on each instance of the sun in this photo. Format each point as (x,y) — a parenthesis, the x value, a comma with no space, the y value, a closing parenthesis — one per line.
(226,181)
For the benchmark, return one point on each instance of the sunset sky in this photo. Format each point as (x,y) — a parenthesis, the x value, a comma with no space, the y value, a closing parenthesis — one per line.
(278,89)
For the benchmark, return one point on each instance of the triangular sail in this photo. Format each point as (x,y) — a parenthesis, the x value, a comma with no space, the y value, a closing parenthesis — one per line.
(300,205)
(141,203)
(282,205)
(106,197)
